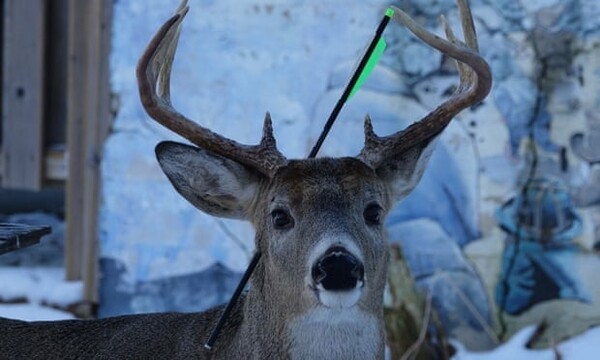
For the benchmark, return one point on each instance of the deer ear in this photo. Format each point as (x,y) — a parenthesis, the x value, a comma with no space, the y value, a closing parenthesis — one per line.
(214,184)
(403,171)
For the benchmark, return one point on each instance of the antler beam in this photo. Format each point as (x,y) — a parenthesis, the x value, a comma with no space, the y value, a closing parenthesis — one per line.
(475,84)
(153,75)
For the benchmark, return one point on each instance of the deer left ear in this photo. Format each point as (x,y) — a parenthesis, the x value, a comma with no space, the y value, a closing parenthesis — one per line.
(214,184)
(403,171)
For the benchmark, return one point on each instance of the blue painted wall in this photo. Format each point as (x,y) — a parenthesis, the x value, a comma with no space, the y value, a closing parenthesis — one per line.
(503,228)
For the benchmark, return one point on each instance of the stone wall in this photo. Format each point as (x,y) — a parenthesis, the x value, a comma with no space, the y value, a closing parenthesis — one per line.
(503,228)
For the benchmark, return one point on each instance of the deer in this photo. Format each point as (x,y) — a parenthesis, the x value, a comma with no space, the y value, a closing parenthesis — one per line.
(317,292)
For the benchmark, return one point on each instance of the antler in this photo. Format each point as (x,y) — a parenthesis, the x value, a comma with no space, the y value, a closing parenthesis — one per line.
(153,74)
(475,84)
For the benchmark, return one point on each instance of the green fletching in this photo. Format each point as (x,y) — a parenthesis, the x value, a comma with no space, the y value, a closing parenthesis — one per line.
(389,12)
(369,66)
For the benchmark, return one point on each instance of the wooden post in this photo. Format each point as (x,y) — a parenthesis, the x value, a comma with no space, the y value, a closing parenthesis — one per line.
(89,118)
(23,93)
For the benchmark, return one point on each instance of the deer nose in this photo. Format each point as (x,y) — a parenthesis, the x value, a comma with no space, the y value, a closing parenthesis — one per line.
(338,270)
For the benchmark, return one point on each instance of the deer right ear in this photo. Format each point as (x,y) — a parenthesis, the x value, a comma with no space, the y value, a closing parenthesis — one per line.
(214,184)
(404,171)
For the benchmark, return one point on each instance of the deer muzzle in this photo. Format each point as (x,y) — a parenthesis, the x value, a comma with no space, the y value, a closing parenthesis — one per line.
(338,270)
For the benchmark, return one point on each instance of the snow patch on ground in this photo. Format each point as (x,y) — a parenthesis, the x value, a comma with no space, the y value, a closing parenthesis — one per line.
(584,346)
(33,312)
(38,286)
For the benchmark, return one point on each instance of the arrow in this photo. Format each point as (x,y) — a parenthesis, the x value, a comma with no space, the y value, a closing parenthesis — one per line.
(365,66)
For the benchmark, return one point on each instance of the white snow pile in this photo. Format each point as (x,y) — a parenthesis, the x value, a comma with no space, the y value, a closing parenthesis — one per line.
(33,312)
(42,288)
(582,347)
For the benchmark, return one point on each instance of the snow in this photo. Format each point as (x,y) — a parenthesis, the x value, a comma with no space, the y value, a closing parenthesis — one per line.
(41,289)
(32,312)
(584,346)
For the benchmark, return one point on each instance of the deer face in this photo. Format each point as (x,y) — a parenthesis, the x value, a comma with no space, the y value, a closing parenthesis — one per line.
(319,222)
(321,227)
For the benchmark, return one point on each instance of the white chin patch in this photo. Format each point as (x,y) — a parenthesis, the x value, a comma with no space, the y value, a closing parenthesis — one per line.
(339,299)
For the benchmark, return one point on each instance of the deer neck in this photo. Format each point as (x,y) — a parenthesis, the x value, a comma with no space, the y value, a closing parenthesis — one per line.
(336,334)
(259,334)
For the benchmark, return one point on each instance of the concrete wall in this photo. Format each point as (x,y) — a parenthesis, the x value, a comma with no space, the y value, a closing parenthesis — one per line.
(531,148)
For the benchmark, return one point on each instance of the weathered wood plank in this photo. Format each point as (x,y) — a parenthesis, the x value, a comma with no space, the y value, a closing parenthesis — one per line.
(100,83)
(76,121)
(89,117)
(23,93)
(56,164)
(17,236)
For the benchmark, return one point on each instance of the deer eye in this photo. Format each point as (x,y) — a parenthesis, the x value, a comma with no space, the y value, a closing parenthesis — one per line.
(281,219)
(372,214)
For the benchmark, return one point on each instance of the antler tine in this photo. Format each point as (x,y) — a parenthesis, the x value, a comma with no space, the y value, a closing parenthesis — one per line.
(475,84)
(153,75)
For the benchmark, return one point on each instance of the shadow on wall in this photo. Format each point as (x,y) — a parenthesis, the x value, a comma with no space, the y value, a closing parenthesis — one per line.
(186,293)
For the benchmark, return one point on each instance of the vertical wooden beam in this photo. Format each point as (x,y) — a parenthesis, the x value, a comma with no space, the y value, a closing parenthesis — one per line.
(105,122)
(89,119)
(98,101)
(23,93)
(75,144)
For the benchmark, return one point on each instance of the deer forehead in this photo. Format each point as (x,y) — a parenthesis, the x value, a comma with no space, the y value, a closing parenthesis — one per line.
(336,181)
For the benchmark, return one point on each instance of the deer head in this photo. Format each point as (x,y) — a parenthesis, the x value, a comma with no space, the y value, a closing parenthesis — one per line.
(319,222)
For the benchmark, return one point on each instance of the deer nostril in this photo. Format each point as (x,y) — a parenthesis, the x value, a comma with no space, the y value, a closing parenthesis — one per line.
(338,270)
